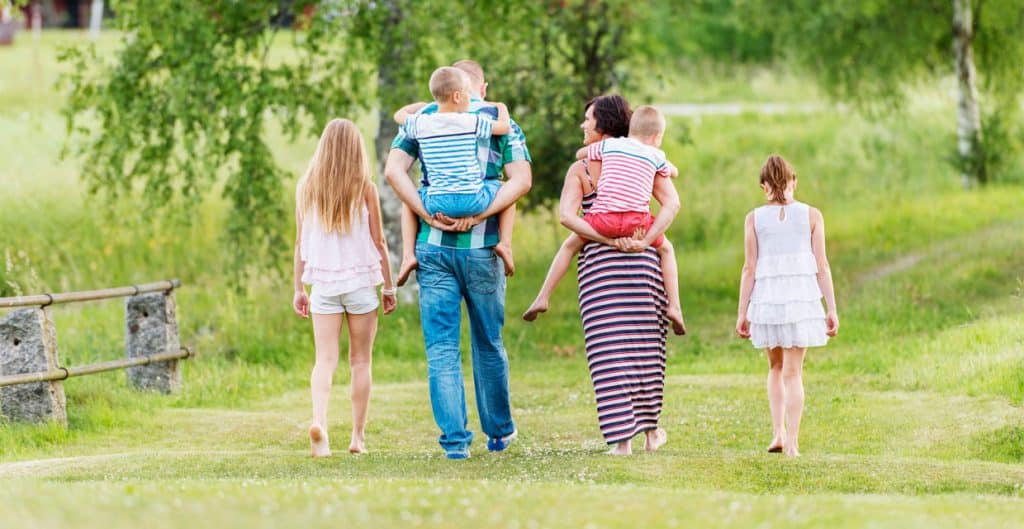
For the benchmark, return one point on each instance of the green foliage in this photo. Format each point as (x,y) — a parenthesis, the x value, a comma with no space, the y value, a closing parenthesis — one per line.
(870,51)
(546,60)
(185,105)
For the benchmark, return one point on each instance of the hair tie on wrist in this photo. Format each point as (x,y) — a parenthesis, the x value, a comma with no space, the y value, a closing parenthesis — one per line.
(387,291)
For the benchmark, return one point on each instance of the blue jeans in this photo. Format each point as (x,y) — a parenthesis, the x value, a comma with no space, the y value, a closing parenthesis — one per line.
(458,205)
(447,276)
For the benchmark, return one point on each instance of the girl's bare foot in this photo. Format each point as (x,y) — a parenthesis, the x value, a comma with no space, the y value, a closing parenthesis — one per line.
(655,439)
(776,446)
(318,444)
(791,451)
(621,449)
(357,446)
(538,306)
(504,251)
(675,316)
(409,264)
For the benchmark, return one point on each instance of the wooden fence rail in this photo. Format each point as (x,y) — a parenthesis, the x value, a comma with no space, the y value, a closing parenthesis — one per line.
(30,371)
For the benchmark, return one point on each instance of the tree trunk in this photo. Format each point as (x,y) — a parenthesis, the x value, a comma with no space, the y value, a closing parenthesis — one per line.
(95,19)
(396,48)
(968,122)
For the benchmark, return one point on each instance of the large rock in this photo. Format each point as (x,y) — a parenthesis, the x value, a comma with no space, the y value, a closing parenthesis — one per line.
(152,328)
(28,344)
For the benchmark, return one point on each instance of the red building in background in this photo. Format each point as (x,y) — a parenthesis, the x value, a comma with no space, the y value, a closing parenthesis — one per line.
(61,13)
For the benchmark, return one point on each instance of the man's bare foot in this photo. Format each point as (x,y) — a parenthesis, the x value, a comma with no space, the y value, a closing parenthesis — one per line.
(504,251)
(621,449)
(357,446)
(409,264)
(776,446)
(538,306)
(675,316)
(655,439)
(318,444)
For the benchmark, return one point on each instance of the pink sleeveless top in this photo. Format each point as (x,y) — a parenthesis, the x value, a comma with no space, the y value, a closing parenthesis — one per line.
(336,264)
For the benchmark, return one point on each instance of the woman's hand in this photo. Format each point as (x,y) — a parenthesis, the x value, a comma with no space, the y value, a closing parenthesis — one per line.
(743,326)
(390,301)
(832,323)
(300,303)
(629,245)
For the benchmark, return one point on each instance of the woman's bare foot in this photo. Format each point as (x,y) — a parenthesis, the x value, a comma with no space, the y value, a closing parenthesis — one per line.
(504,251)
(621,449)
(655,439)
(538,306)
(791,451)
(318,444)
(409,263)
(357,446)
(675,316)
(776,446)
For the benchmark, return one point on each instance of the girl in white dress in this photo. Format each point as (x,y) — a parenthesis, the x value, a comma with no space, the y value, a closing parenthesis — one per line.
(785,276)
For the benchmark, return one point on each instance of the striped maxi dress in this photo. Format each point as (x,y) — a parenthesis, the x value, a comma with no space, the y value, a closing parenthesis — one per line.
(623,305)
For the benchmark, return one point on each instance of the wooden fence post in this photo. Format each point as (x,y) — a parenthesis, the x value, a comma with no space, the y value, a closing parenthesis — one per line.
(152,328)
(28,344)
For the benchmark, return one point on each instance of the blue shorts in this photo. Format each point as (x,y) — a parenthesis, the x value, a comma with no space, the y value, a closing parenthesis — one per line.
(458,205)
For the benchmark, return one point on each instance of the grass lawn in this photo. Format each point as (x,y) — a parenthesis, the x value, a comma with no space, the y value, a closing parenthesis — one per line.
(913,415)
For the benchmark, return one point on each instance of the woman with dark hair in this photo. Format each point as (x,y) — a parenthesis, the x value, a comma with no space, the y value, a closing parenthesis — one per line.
(622,296)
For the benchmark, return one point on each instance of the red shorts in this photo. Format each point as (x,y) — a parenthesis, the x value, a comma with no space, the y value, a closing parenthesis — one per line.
(613,225)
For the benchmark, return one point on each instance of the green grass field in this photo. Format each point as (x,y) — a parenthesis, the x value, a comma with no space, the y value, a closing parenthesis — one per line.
(914,413)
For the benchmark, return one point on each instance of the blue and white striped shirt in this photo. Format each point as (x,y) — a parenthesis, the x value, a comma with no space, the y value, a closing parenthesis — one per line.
(451,144)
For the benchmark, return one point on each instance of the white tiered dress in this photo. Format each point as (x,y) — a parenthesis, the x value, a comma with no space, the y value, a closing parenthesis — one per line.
(785,307)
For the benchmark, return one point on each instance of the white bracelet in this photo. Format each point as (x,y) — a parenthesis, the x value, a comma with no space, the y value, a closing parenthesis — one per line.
(388,291)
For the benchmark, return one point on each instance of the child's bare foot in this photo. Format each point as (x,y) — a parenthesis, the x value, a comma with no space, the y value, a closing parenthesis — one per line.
(357,446)
(538,306)
(318,444)
(675,316)
(504,251)
(409,264)
(621,449)
(776,446)
(655,439)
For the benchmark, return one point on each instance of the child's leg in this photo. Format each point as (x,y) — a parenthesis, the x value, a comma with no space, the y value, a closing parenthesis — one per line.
(670,271)
(410,226)
(559,266)
(326,331)
(776,399)
(792,379)
(362,329)
(506,221)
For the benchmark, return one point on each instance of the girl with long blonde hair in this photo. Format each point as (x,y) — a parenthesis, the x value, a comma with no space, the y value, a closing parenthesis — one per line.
(341,252)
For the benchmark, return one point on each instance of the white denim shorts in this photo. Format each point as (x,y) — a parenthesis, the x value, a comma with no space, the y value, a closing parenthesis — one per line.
(359,301)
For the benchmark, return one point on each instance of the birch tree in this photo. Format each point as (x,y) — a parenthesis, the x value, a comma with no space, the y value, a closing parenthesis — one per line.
(869,51)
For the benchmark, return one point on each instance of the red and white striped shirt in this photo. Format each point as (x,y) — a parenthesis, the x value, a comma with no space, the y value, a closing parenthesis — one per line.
(627,174)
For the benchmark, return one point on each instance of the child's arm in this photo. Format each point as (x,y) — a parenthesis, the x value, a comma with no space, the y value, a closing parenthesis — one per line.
(669,170)
(372,200)
(503,125)
(407,111)
(590,152)
(747,276)
(824,271)
(300,301)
